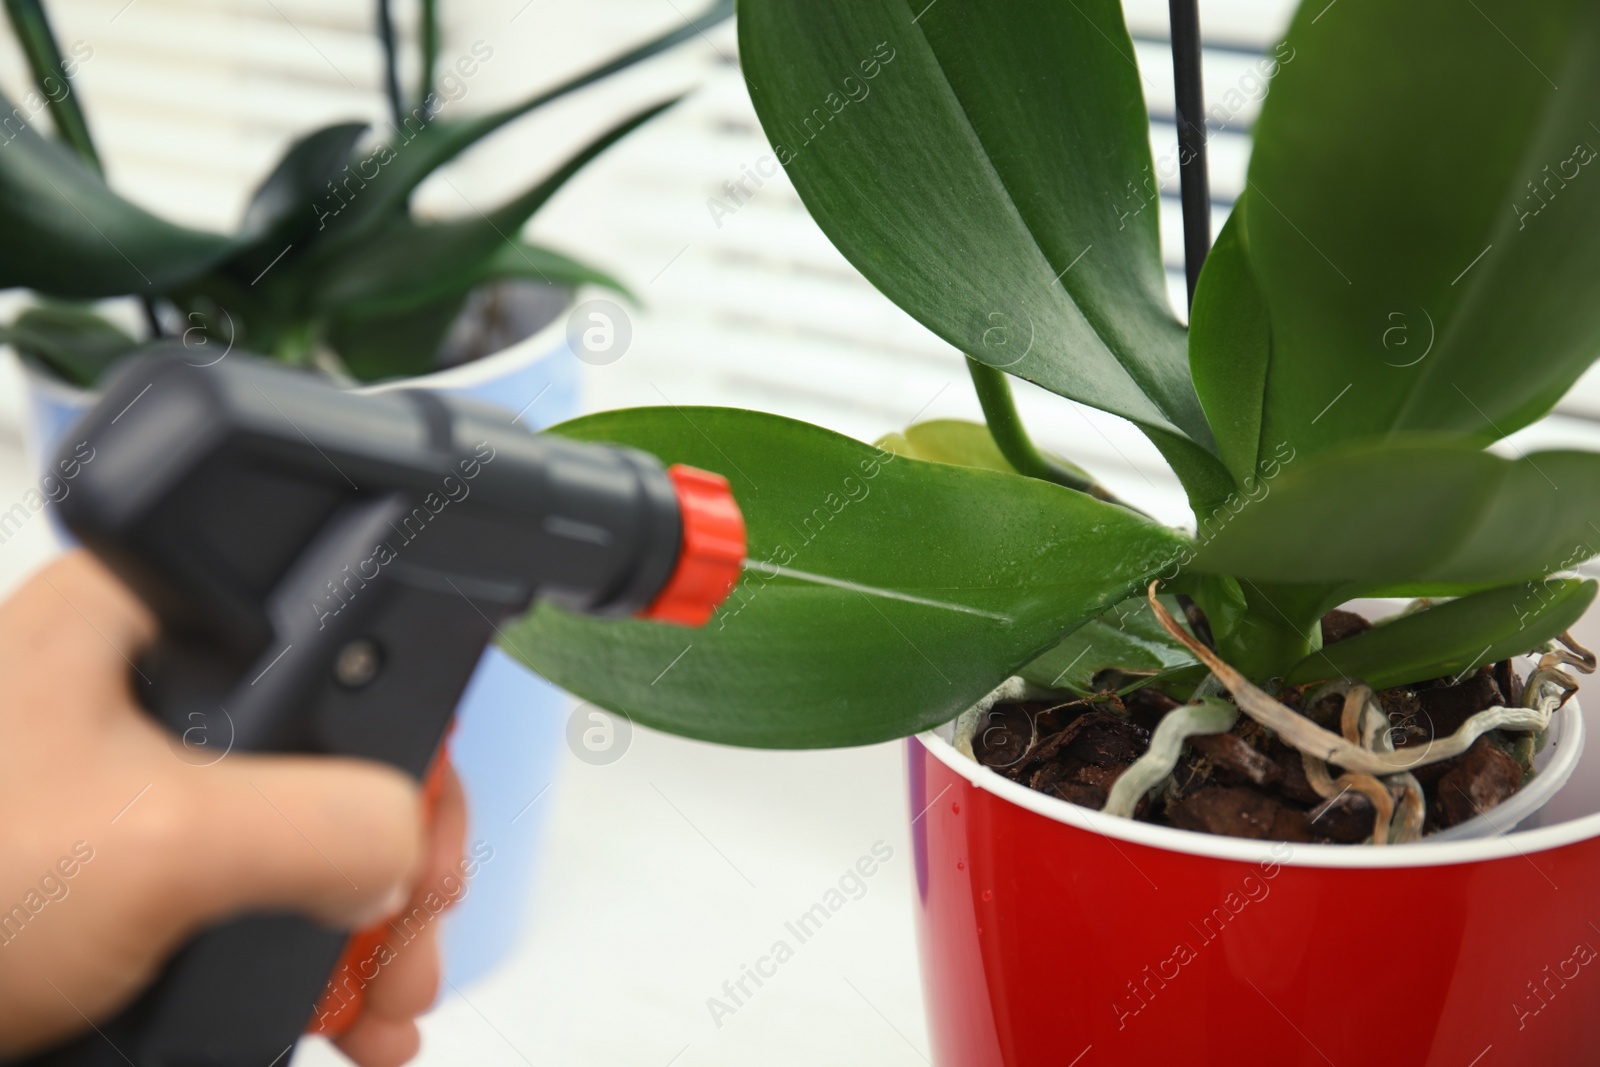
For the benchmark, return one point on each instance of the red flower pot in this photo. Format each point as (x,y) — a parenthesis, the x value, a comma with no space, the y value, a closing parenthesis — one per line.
(1055,935)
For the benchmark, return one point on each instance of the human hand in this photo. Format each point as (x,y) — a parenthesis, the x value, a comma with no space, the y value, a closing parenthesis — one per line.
(397,972)
(114,851)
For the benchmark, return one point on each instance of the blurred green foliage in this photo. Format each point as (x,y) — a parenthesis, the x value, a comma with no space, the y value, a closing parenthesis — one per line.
(329,266)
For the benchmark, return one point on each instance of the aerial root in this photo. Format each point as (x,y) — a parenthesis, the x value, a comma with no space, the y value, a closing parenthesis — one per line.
(1413,810)
(1584,661)
(1332,789)
(1211,715)
(1547,689)
(1364,746)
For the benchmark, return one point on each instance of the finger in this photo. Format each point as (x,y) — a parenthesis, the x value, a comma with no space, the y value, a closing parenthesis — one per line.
(76,584)
(409,984)
(75,612)
(338,839)
(378,1041)
(447,841)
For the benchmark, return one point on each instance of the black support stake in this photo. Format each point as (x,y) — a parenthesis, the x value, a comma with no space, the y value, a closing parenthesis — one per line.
(1185,17)
(1191,104)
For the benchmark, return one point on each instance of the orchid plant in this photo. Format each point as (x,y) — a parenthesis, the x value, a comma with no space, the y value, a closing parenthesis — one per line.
(1398,286)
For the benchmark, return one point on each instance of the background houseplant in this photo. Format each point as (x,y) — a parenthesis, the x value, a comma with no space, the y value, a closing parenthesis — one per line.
(329,267)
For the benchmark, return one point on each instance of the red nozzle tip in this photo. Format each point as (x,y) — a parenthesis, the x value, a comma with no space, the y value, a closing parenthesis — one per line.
(712,556)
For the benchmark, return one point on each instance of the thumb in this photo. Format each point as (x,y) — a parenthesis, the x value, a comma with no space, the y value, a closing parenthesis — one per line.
(339,840)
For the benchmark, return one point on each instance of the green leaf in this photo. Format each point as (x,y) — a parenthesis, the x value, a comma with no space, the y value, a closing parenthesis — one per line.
(1281,625)
(1422,590)
(965,444)
(1423,204)
(402,343)
(1230,344)
(420,147)
(75,342)
(519,259)
(953,441)
(405,341)
(1454,637)
(964,157)
(67,234)
(1218,596)
(285,206)
(792,664)
(228,312)
(1414,511)
(403,262)
(31,26)
(1127,639)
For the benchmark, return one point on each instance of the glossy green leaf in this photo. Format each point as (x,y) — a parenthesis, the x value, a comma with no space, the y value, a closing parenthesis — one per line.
(1424,198)
(1415,511)
(75,342)
(792,664)
(67,234)
(419,146)
(403,262)
(988,168)
(1230,344)
(1127,639)
(1454,637)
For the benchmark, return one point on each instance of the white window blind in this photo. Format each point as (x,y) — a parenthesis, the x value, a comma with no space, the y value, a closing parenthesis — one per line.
(743,303)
